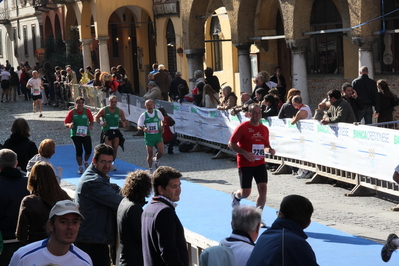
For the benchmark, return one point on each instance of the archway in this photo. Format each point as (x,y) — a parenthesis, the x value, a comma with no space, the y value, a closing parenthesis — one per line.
(48,29)
(171,41)
(137,63)
(57,26)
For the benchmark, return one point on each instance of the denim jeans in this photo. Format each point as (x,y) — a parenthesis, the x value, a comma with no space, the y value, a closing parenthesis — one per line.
(367,114)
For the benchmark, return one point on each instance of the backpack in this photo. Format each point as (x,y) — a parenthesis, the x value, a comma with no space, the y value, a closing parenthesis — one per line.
(186,147)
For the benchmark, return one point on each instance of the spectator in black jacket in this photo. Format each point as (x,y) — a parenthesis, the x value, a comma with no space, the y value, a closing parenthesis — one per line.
(173,87)
(12,191)
(259,83)
(280,80)
(19,142)
(14,83)
(212,80)
(269,106)
(350,95)
(366,89)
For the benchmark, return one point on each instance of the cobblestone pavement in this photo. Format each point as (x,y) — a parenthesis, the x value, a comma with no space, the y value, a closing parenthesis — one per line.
(368,217)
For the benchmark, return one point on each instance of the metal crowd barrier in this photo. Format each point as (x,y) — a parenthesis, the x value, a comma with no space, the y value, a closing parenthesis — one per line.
(391,125)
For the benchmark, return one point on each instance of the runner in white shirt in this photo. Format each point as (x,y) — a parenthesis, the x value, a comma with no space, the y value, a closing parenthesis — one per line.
(63,224)
(35,84)
(304,111)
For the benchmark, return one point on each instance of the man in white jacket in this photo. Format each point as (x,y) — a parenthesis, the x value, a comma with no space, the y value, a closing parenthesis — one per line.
(245,224)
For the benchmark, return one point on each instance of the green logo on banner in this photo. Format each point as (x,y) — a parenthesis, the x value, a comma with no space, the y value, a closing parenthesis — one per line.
(234,118)
(265,122)
(213,114)
(194,110)
(176,107)
(395,139)
(291,126)
(359,134)
(323,129)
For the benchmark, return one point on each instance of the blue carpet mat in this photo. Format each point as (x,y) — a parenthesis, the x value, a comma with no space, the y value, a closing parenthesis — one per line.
(208,213)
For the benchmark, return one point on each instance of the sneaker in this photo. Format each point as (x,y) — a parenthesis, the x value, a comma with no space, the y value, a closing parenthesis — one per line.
(309,174)
(40,115)
(302,175)
(86,164)
(388,248)
(235,201)
(170,152)
(80,170)
(156,162)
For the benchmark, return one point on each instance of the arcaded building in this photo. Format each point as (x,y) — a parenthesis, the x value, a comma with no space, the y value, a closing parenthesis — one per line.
(319,44)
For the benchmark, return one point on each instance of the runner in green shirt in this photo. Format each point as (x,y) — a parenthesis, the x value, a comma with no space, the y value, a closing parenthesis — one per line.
(110,125)
(151,122)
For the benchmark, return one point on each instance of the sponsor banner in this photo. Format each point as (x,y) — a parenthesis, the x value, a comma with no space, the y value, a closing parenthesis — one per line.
(366,150)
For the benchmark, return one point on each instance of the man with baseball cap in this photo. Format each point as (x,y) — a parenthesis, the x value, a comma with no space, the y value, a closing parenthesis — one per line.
(63,225)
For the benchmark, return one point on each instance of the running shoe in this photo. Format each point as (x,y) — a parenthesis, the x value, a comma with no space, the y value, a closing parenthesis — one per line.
(40,115)
(388,248)
(80,170)
(235,201)
(156,162)
(302,175)
(310,174)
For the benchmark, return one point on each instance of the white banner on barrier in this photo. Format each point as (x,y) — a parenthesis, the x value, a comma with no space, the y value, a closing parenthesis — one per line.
(366,150)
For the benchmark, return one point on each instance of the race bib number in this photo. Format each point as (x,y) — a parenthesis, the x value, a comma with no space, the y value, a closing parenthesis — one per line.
(81,131)
(259,151)
(114,128)
(152,128)
(36,91)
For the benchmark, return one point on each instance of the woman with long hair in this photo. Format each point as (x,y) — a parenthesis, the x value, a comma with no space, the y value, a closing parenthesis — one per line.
(288,110)
(209,99)
(184,94)
(19,142)
(229,99)
(136,189)
(35,208)
(271,109)
(384,104)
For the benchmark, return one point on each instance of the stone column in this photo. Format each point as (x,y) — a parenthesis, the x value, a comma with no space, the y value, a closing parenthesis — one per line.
(365,53)
(244,67)
(103,53)
(195,60)
(87,61)
(299,73)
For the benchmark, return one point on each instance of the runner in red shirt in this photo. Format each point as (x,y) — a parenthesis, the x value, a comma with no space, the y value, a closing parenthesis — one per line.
(251,141)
